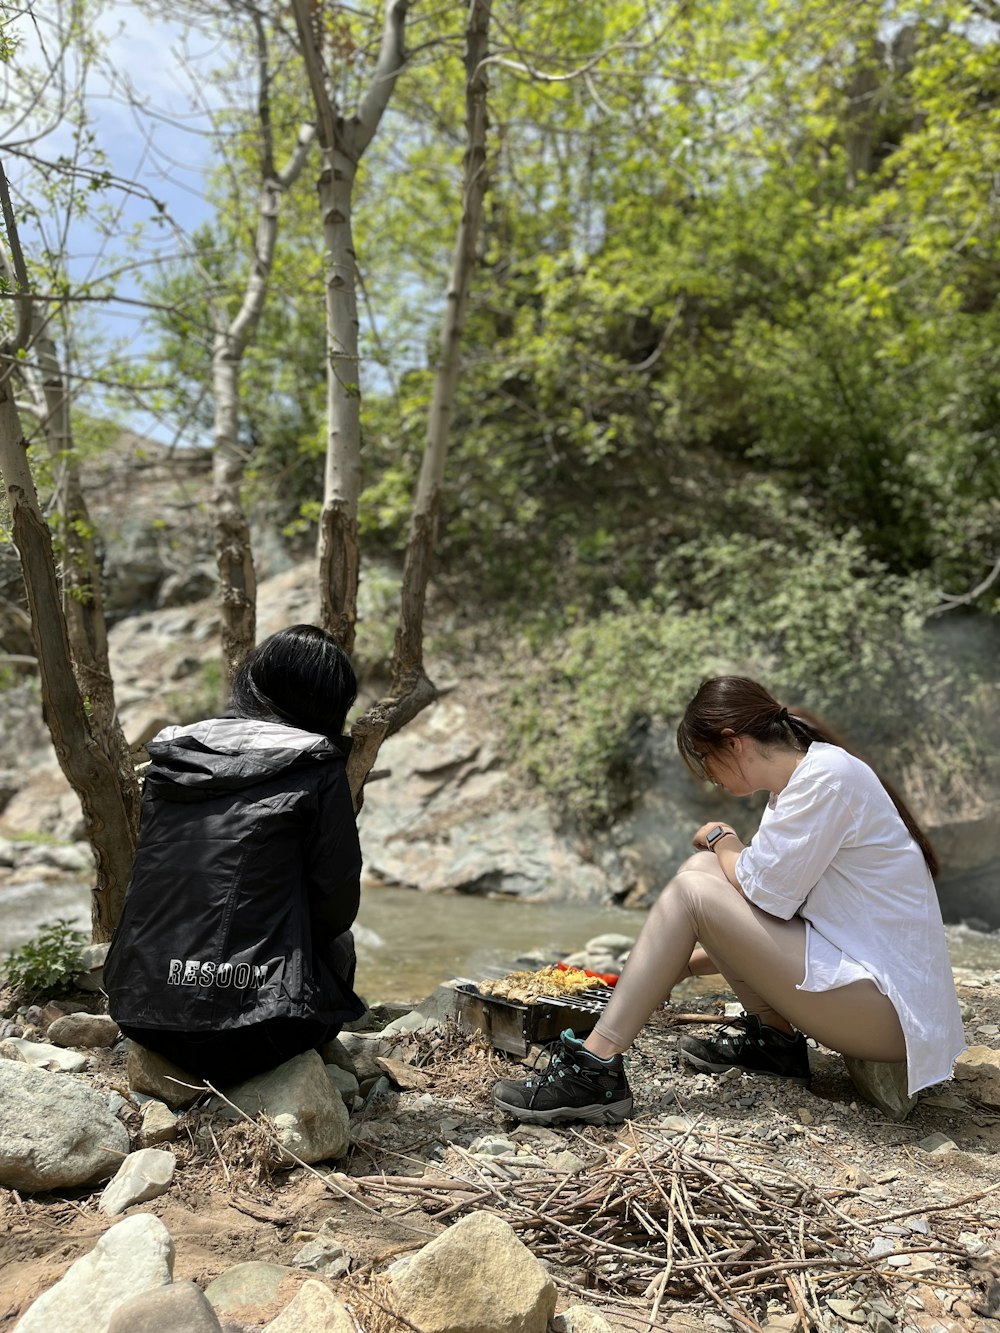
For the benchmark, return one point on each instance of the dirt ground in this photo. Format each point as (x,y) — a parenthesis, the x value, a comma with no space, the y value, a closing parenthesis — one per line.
(409,1173)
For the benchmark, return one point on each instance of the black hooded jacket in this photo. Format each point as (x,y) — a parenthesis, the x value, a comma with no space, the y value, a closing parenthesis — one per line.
(247,869)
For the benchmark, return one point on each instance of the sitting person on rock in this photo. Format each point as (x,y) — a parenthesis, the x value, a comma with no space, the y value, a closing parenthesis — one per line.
(827,924)
(234,952)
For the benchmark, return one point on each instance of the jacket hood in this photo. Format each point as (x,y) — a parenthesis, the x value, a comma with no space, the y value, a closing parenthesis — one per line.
(225,754)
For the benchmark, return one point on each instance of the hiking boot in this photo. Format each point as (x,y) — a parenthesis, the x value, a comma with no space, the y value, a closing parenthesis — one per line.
(748,1044)
(575,1086)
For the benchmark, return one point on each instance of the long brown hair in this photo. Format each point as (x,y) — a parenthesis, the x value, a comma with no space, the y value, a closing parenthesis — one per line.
(739,705)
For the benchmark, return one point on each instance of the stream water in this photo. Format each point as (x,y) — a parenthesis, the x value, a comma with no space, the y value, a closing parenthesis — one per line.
(408,942)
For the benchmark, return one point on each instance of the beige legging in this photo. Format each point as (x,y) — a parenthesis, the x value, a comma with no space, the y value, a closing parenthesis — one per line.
(762,959)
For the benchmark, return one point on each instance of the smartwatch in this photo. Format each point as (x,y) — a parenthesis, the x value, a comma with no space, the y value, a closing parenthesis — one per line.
(717,833)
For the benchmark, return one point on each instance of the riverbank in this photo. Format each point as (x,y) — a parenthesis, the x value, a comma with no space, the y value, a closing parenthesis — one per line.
(744,1202)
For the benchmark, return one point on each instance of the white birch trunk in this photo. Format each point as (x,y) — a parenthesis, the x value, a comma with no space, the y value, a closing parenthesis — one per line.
(343,141)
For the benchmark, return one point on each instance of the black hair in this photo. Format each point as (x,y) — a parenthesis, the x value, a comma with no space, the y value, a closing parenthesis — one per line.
(300,676)
(741,707)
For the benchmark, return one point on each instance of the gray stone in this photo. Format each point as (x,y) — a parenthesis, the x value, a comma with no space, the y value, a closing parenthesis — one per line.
(55,1131)
(83,1030)
(143,1175)
(476,1277)
(937,1143)
(308,1112)
(334,1052)
(324,1256)
(614,945)
(179,1308)
(345,1083)
(134,1256)
(246,1284)
(314,1309)
(580,1319)
(150,1073)
(569,1162)
(883,1085)
(40,1055)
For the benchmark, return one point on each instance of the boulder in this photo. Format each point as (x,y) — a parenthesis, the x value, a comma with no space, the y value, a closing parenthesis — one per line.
(883,1085)
(978,1070)
(55,1131)
(345,1083)
(179,1308)
(84,1031)
(476,1277)
(313,1310)
(308,1111)
(143,1175)
(135,1256)
(152,1074)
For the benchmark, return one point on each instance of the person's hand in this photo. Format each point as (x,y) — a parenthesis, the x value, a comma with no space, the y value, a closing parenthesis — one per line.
(700,839)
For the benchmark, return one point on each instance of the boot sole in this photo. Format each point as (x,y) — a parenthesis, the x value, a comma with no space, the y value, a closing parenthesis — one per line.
(612,1113)
(710,1067)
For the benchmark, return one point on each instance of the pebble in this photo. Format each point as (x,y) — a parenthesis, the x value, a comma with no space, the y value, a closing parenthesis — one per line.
(89,1031)
(326,1257)
(848,1310)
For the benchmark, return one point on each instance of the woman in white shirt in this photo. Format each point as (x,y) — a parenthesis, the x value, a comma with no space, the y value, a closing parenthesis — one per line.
(827,924)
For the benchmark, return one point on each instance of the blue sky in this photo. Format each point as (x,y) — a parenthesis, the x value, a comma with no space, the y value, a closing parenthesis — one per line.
(149,104)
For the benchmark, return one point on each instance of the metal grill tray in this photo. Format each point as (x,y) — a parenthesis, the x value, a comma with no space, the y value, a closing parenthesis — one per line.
(515,1028)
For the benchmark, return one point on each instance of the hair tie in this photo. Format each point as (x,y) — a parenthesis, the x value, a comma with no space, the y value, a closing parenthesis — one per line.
(782,716)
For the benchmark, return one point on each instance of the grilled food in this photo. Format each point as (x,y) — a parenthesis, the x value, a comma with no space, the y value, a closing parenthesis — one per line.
(545,984)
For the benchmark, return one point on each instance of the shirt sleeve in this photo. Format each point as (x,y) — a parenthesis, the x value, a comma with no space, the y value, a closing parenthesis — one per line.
(809,824)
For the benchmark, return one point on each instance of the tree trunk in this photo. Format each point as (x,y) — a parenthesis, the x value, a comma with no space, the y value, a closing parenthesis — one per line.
(412,691)
(82,601)
(84,761)
(233,550)
(343,141)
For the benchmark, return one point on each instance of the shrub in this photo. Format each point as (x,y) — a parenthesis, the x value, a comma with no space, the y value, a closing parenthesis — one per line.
(47,963)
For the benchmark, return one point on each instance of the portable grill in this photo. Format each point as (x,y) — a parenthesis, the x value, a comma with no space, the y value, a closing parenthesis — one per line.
(515,1028)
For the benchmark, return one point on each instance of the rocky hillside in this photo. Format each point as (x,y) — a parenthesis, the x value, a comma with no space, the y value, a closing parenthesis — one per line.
(452,814)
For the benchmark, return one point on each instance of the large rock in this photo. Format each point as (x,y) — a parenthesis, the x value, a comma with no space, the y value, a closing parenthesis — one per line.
(55,1131)
(477,1277)
(136,1255)
(179,1308)
(308,1111)
(978,1070)
(84,1031)
(156,1077)
(314,1310)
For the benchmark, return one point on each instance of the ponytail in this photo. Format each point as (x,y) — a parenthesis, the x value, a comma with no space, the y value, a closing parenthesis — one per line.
(739,705)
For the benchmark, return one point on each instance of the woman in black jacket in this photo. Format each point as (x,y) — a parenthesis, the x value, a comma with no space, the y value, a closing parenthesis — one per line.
(234,950)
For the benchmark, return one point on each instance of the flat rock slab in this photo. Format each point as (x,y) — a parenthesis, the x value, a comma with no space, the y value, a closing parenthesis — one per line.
(42,1056)
(134,1256)
(252,1284)
(56,1132)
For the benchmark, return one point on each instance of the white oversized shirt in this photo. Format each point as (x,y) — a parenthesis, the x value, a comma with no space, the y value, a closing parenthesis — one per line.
(832,849)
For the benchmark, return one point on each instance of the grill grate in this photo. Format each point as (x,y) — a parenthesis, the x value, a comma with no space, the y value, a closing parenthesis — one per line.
(515,1027)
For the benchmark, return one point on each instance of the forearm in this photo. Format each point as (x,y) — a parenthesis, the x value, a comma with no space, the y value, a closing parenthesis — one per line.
(727,852)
